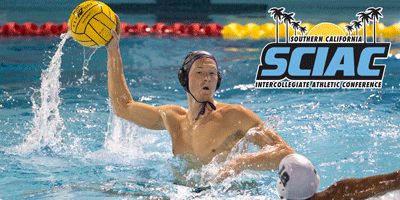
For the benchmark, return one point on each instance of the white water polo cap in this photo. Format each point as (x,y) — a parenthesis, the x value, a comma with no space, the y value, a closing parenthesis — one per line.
(298,179)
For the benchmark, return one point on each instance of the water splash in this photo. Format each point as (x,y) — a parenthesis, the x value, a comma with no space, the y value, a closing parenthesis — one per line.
(47,123)
(201,176)
(123,143)
(273,122)
(87,56)
(122,137)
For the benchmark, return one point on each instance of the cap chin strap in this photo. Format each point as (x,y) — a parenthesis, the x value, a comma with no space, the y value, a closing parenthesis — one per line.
(203,108)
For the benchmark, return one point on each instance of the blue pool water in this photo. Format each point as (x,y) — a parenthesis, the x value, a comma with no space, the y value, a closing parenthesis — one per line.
(59,139)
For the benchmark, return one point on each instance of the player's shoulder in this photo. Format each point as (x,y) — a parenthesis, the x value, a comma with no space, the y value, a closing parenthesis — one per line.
(240,115)
(233,108)
(173,109)
(238,112)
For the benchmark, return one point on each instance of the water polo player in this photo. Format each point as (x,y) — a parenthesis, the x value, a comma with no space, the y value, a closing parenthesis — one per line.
(298,179)
(207,128)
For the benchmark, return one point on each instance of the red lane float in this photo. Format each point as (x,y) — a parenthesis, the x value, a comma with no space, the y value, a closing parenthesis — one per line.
(139,29)
(62,28)
(195,30)
(30,29)
(160,29)
(233,30)
(11,29)
(178,29)
(48,29)
(214,30)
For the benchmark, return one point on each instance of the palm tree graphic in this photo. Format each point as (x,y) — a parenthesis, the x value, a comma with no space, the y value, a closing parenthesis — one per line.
(357,25)
(288,18)
(303,29)
(296,25)
(349,29)
(365,18)
(276,13)
(375,14)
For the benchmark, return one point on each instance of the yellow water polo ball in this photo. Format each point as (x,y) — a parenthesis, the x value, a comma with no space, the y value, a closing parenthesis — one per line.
(91,22)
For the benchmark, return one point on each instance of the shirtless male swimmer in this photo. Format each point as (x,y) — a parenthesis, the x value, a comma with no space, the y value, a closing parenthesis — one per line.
(207,128)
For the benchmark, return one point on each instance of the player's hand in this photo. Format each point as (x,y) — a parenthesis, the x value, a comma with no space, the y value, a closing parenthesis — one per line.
(263,136)
(231,169)
(116,34)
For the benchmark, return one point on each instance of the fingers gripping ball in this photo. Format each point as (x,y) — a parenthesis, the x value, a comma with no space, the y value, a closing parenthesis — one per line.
(91,22)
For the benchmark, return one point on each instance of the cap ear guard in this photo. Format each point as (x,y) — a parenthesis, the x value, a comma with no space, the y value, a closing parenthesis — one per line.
(281,188)
(183,79)
(219,80)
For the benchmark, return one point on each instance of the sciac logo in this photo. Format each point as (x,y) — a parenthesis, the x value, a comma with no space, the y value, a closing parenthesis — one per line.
(326,57)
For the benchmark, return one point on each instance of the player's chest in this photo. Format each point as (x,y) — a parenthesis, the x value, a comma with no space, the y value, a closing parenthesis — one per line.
(209,139)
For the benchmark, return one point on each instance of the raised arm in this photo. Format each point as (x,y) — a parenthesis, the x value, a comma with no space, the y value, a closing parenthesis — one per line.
(361,188)
(124,106)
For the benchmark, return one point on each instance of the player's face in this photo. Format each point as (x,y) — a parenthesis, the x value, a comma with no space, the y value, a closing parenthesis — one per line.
(203,78)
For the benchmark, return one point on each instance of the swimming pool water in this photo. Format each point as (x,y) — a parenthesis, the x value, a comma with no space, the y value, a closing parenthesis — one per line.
(89,153)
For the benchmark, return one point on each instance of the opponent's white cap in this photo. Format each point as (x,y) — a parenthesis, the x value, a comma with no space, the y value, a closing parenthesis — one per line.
(298,179)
